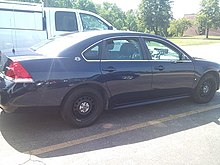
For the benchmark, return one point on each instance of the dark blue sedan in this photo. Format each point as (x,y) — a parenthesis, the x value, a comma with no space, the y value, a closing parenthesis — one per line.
(87,72)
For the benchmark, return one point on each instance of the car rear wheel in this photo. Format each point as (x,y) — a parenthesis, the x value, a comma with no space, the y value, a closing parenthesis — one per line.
(205,89)
(83,107)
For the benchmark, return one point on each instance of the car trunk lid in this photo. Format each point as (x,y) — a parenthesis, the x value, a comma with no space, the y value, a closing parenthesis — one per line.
(11,67)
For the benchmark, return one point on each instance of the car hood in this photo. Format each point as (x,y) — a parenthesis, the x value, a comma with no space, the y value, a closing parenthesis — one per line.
(198,58)
(207,63)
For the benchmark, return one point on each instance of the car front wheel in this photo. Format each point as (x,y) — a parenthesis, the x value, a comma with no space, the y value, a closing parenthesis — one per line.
(83,107)
(205,89)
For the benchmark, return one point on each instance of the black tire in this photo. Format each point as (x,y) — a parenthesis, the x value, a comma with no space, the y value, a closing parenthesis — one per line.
(2,112)
(205,89)
(82,107)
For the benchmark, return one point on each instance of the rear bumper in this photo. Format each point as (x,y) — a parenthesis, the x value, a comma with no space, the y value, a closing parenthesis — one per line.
(23,95)
(5,96)
(17,95)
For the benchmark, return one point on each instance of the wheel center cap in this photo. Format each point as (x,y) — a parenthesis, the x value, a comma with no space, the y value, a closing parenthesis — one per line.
(206,89)
(84,107)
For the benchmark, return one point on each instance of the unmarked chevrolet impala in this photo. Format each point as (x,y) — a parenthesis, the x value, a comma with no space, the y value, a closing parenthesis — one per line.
(87,72)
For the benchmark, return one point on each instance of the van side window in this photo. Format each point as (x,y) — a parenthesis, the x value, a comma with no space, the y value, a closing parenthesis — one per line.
(65,21)
(90,22)
(20,19)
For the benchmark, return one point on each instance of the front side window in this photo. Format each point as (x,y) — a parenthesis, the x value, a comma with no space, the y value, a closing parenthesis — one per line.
(90,22)
(122,49)
(162,51)
(65,21)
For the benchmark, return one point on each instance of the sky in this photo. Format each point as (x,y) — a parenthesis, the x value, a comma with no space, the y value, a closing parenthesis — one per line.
(179,7)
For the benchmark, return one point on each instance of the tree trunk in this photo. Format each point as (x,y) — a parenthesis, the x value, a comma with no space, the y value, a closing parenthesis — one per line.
(155,30)
(207,33)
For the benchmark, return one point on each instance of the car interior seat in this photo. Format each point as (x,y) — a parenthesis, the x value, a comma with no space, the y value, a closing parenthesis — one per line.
(127,50)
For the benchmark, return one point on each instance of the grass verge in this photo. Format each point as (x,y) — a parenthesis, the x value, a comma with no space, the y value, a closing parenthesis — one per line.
(195,40)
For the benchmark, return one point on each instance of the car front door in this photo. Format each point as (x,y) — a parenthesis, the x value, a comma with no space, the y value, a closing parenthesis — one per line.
(173,71)
(126,72)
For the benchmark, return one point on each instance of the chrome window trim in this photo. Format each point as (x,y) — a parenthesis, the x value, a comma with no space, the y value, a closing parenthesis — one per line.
(174,61)
(82,54)
(144,60)
(124,60)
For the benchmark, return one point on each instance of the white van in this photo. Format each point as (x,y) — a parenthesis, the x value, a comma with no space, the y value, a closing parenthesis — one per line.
(25,24)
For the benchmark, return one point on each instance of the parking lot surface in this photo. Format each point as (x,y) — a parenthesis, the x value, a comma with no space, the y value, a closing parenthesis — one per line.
(176,132)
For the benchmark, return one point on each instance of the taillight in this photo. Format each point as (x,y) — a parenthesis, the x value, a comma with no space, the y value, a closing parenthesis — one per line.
(18,73)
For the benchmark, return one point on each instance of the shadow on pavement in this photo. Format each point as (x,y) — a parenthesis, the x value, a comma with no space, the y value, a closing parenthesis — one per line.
(35,128)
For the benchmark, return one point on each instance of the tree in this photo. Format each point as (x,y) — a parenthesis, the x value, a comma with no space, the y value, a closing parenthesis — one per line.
(156,15)
(209,15)
(177,27)
(113,14)
(34,1)
(131,21)
(87,5)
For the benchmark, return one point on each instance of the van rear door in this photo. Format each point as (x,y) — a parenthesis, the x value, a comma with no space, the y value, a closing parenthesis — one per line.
(21,25)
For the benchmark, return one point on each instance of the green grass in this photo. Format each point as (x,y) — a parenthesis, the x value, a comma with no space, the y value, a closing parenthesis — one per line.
(195,40)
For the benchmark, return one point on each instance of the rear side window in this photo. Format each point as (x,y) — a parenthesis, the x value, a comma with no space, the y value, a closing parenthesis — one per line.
(65,21)
(92,53)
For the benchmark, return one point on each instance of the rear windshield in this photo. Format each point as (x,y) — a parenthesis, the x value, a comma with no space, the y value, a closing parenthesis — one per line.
(53,47)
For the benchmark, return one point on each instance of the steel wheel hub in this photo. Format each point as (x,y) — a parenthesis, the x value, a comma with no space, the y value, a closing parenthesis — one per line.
(84,107)
(205,89)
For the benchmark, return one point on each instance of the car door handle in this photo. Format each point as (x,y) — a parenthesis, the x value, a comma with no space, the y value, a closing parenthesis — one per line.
(160,68)
(109,69)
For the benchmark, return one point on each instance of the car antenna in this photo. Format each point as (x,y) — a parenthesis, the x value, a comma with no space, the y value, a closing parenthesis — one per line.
(12,37)
(13,51)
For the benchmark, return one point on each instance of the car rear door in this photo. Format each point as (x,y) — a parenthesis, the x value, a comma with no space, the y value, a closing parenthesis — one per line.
(125,70)
(173,71)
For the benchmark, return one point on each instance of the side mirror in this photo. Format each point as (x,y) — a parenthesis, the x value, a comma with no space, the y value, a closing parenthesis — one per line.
(110,28)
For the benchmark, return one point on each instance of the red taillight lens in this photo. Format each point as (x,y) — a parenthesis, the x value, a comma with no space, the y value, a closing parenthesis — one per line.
(17,71)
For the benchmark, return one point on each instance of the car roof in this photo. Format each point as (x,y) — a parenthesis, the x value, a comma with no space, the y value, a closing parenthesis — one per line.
(65,44)
(109,33)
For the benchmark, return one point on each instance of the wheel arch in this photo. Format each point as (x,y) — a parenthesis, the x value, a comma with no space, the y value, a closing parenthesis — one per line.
(104,93)
(214,73)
